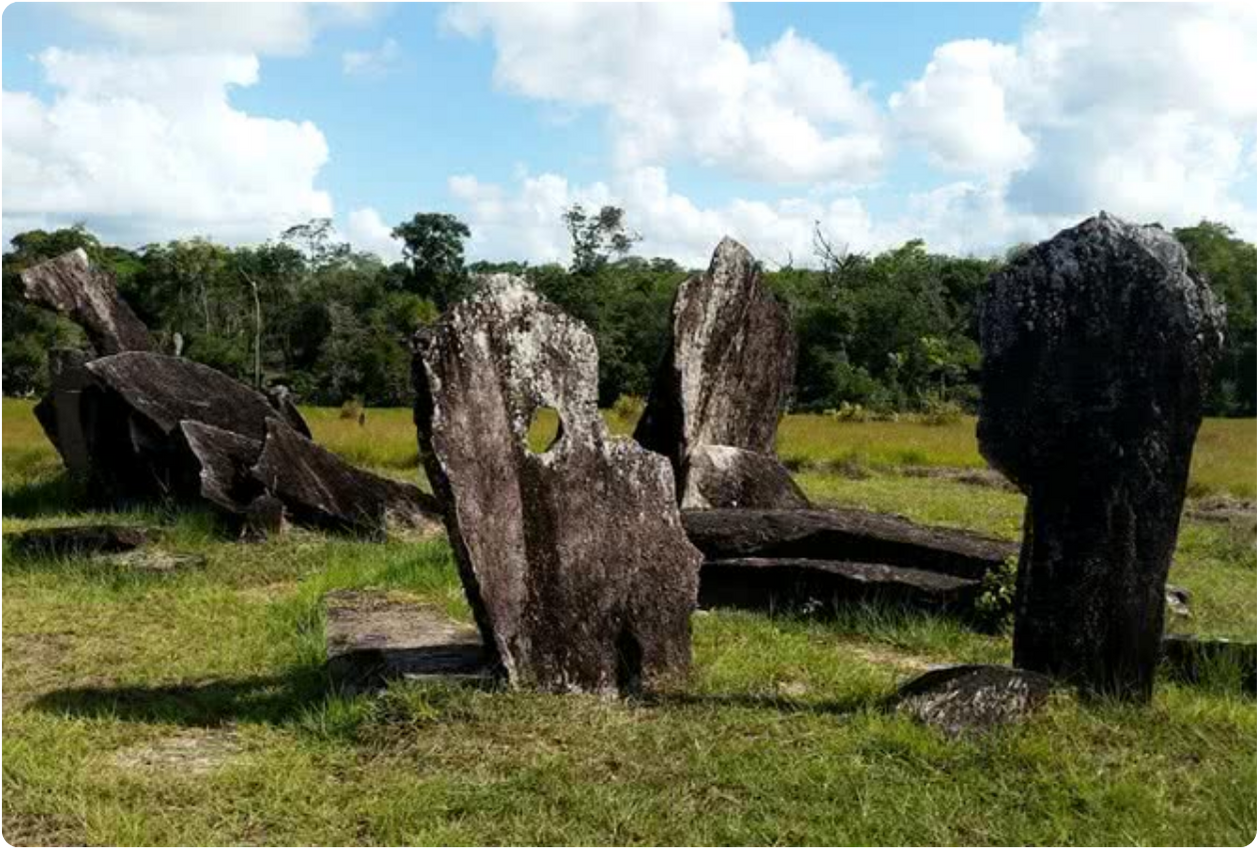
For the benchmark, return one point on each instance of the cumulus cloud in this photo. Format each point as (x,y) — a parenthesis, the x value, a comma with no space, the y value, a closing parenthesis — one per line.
(367,231)
(523,220)
(677,82)
(281,29)
(148,147)
(1145,110)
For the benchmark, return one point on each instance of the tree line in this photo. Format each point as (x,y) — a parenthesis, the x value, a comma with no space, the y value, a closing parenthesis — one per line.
(886,332)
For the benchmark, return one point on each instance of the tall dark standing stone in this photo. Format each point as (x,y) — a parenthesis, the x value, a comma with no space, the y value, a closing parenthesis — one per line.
(1097,347)
(70,285)
(574,560)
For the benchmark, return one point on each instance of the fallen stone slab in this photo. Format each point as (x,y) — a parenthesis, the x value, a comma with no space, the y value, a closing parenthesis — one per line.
(223,463)
(726,375)
(319,488)
(86,295)
(77,540)
(574,560)
(1098,346)
(723,476)
(373,637)
(844,535)
(973,698)
(768,584)
(1191,658)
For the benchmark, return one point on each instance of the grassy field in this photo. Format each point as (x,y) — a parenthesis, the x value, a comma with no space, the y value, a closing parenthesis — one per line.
(191,708)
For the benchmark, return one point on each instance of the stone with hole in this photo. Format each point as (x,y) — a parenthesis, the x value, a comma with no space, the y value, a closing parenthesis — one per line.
(574,559)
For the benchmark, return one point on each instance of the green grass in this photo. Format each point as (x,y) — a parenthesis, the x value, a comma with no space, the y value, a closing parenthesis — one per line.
(192,708)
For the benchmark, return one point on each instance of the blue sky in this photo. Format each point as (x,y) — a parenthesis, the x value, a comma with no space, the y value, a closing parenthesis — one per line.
(973,126)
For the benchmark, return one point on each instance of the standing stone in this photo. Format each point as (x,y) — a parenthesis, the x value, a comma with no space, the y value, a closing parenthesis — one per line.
(70,285)
(574,560)
(59,412)
(1097,348)
(726,375)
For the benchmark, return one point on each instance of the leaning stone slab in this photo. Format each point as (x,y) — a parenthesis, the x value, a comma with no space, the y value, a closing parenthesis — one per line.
(86,295)
(223,463)
(574,560)
(722,476)
(727,373)
(1097,348)
(77,541)
(769,584)
(973,698)
(318,488)
(845,535)
(1192,658)
(373,637)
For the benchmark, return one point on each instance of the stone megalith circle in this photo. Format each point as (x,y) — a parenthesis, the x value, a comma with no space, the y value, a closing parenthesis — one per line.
(1097,347)
(724,379)
(574,560)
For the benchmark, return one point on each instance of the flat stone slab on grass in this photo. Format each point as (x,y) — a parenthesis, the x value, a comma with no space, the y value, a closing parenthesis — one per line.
(78,540)
(846,535)
(973,697)
(375,636)
(1191,658)
(189,751)
(761,583)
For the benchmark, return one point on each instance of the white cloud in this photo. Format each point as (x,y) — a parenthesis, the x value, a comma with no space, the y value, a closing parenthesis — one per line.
(367,231)
(958,108)
(523,221)
(281,29)
(678,83)
(1145,110)
(149,147)
(371,63)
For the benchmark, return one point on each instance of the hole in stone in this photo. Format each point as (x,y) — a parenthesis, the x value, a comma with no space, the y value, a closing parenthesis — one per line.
(545,429)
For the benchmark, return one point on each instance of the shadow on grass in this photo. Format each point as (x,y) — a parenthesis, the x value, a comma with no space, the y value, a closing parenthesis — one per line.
(272,699)
(855,703)
(50,496)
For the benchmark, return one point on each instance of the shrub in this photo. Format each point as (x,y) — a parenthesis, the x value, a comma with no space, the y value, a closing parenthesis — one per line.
(994,609)
(352,409)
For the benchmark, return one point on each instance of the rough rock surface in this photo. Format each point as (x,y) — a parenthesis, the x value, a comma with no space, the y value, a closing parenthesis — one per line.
(1097,346)
(722,476)
(70,285)
(959,699)
(1192,658)
(759,583)
(60,412)
(265,517)
(77,541)
(848,535)
(725,377)
(319,488)
(223,460)
(372,637)
(574,560)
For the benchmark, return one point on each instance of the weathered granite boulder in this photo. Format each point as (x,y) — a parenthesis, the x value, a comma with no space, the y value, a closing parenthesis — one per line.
(223,463)
(972,698)
(574,560)
(726,375)
(784,583)
(849,535)
(59,412)
(1097,346)
(722,476)
(320,489)
(70,285)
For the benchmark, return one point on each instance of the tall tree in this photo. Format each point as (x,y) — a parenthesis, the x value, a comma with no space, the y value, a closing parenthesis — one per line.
(432,243)
(597,237)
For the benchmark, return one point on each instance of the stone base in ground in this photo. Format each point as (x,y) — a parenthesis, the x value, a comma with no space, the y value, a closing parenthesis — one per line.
(1194,659)
(373,637)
